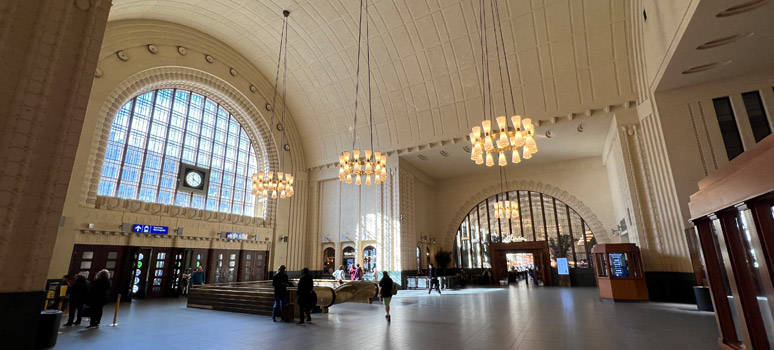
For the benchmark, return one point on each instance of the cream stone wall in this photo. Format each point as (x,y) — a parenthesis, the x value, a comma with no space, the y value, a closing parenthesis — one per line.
(139,56)
(694,142)
(667,20)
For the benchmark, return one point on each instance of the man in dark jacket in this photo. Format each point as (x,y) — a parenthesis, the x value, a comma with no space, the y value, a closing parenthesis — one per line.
(305,287)
(432,273)
(98,297)
(385,287)
(280,284)
(78,294)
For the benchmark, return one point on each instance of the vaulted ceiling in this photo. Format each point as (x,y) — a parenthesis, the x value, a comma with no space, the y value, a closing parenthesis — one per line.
(565,56)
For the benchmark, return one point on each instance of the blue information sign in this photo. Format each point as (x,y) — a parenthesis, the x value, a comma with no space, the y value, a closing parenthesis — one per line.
(158,230)
(562,266)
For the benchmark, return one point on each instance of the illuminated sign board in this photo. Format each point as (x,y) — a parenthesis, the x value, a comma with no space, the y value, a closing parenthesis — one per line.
(235,235)
(157,230)
(562,266)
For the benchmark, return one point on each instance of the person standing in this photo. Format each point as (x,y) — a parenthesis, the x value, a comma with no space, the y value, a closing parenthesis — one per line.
(280,284)
(78,294)
(305,287)
(352,272)
(432,274)
(197,278)
(339,274)
(98,296)
(359,273)
(385,287)
(185,280)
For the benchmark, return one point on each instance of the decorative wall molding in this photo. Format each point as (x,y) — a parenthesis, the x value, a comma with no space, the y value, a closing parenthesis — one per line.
(139,207)
(526,185)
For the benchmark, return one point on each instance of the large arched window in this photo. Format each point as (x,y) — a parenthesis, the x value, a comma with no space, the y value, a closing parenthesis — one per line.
(540,218)
(155,132)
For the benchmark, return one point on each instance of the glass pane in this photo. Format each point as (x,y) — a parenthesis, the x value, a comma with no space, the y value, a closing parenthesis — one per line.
(724,267)
(537,214)
(515,223)
(728,127)
(619,265)
(525,211)
(474,239)
(757,115)
(553,234)
(601,265)
(110,265)
(748,230)
(112,255)
(85,265)
(87,255)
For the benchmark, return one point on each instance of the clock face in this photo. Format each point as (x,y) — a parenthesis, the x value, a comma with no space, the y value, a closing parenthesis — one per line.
(193,179)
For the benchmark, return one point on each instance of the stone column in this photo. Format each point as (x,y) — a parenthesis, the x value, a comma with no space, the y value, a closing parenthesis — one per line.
(49,50)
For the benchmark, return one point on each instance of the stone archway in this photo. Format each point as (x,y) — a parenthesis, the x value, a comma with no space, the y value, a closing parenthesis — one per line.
(581,208)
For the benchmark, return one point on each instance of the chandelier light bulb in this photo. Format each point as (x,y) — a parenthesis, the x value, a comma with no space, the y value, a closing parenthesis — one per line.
(489,159)
(515,159)
(502,161)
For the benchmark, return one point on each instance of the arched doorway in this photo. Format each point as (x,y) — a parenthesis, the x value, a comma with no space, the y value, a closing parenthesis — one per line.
(329,260)
(557,230)
(348,257)
(419,260)
(369,260)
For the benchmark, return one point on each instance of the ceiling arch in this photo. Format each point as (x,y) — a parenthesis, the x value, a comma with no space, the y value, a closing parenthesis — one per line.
(568,55)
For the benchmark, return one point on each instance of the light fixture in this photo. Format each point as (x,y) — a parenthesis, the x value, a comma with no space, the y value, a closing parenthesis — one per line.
(368,163)
(270,183)
(488,140)
(506,209)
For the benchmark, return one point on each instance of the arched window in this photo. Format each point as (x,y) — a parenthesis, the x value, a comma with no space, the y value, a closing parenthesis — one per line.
(349,257)
(369,259)
(329,259)
(419,259)
(540,218)
(155,132)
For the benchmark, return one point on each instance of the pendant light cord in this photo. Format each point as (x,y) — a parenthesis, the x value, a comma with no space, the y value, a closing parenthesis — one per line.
(495,23)
(507,68)
(357,74)
(276,79)
(368,64)
(284,96)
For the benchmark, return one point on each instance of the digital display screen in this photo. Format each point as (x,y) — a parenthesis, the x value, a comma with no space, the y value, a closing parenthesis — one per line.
(562,266)
(619,265)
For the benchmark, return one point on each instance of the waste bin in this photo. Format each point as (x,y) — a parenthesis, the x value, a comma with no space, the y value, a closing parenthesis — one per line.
(48,329)
(703,299)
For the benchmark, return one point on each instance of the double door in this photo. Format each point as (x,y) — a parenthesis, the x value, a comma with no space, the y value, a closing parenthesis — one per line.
(153,272)
(87,260)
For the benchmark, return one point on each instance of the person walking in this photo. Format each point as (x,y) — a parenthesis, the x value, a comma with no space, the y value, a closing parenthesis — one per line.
(386,287)
(78,295)
(185,281)
(339,274)
(432,274)
(98,296)
(280,284)
(305,288)
(359,273)
(197,278)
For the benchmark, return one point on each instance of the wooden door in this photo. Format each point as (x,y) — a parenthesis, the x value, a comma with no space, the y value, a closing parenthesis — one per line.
(159,273)
(223,266)
(88,260)
(139,266)
(253,265)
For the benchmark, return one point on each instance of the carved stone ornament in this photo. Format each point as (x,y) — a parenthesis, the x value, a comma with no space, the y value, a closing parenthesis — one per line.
(98,73)
(153,49)
(209,58)
(253,88)
(182,50)
(233,72)
(122,55)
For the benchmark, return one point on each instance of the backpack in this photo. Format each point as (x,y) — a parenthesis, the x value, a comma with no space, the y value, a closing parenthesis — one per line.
(395,289)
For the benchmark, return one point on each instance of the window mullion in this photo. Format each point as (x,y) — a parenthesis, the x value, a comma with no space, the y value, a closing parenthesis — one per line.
(531,216)
(145,147)
(212,150)
(166,143)
(225,152)
(126,146)
(236,167)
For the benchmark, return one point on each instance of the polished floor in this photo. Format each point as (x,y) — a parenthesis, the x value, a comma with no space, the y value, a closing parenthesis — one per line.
(517,317)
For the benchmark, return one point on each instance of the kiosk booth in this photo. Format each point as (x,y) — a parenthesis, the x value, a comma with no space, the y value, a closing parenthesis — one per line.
(619,272)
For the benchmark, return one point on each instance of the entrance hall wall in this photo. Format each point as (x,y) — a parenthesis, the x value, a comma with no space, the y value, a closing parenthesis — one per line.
(142,55)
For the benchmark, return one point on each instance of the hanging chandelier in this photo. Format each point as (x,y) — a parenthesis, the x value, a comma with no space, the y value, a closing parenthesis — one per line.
(367,163)
(270,183)
(490,140)
(506,209)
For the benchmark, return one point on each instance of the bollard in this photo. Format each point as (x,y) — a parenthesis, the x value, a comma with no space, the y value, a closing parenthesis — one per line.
(115,314)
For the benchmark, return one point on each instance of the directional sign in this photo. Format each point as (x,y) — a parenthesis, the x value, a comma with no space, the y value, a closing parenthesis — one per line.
(158,230)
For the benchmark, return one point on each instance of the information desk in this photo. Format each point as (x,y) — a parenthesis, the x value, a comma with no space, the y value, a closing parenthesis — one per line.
(618,267)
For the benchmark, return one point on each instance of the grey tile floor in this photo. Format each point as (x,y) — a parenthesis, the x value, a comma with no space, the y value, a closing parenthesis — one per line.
(516,317)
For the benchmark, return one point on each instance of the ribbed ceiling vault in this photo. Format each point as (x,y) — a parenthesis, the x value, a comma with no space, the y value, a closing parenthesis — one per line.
(565,56)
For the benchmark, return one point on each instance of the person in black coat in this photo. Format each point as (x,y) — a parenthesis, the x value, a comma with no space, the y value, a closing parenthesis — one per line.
(98,296)
(432,274)
(280,284)
(78,294)
(305,288)
(385,289)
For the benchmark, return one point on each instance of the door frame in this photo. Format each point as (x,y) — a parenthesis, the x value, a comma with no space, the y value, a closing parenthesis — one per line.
(539,249)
